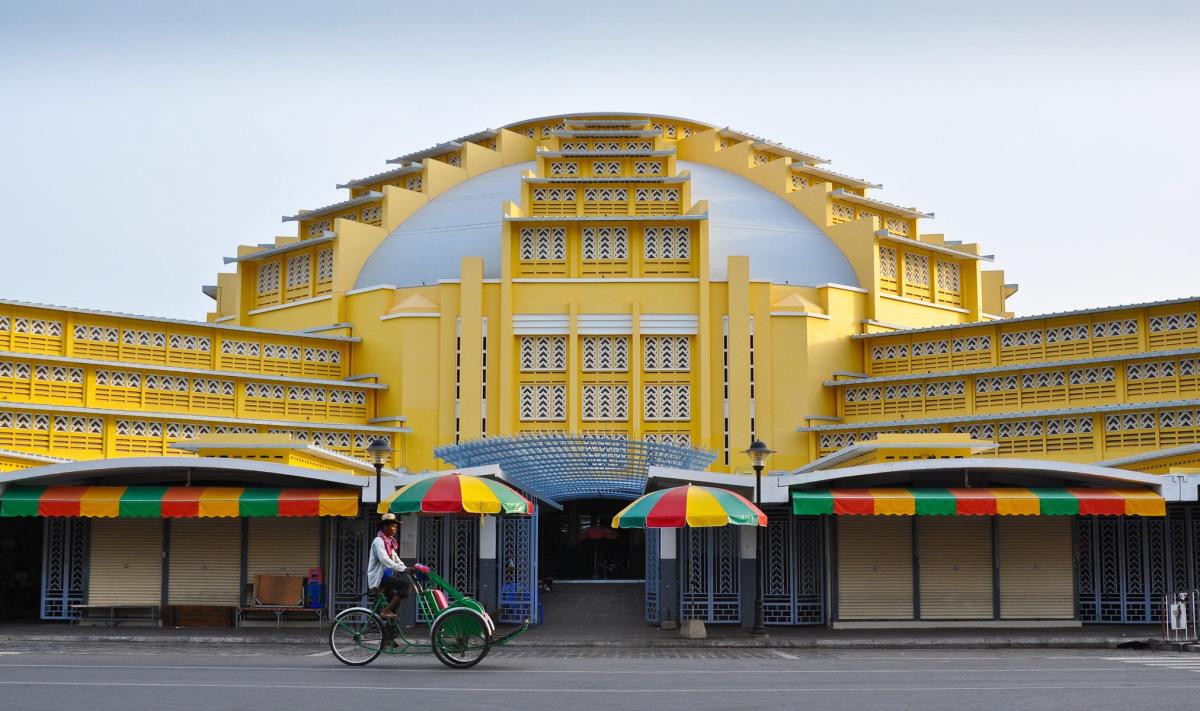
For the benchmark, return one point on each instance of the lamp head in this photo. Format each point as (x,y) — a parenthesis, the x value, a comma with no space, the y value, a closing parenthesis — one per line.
(379,449)
(758,452)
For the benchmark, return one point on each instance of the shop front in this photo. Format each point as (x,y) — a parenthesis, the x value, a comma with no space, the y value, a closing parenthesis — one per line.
(985,542)
(153,542)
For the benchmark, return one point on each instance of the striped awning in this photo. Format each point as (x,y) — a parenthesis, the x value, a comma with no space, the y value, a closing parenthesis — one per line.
(983,501)
(176,501)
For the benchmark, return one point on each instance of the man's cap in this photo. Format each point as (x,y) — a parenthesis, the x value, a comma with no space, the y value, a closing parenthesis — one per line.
(388,517)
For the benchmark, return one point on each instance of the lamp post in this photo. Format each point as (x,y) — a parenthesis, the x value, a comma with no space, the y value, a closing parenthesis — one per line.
(379,449)
(758,453)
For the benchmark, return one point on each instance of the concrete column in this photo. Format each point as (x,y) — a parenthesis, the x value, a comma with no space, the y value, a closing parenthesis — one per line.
(747,536)
(668,578)
(408,553)
(488,591)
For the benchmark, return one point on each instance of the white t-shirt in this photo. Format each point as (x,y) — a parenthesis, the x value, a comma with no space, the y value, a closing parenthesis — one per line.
(380,561)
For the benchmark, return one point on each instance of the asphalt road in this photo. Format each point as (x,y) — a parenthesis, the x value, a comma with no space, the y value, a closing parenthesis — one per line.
(141,677)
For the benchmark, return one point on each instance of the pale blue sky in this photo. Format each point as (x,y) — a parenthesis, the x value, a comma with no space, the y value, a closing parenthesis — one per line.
(142,141)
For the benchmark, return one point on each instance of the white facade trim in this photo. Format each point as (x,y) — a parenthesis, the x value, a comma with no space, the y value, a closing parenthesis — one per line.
(670,324)
(541,324)
(605,324)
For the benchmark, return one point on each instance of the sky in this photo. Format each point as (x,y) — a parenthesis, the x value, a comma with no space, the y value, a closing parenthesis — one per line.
(141,142)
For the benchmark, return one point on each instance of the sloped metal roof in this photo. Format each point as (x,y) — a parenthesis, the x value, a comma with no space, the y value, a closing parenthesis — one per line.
(560,467)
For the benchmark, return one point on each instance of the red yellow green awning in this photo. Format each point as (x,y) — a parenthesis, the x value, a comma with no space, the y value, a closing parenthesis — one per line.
(983,501)
(176,501)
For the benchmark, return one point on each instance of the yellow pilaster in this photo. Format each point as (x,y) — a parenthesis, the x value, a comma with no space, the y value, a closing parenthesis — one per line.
(704,336)
(471,348)
(635,372)
(574,390)
(739,358)
(508,362)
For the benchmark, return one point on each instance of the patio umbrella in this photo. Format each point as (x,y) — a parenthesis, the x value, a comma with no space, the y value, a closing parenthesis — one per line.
(695,506)
(455,493)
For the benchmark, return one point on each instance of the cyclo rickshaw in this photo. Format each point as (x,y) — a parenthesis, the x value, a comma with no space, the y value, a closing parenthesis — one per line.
(461,632)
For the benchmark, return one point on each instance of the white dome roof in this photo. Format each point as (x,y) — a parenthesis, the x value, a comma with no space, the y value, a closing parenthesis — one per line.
(784,246)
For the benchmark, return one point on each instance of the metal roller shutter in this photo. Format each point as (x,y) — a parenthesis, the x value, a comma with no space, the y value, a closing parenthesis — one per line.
(1036,568)
(874,564)
(955,555)
(283,546)
(206,561)
(125,562)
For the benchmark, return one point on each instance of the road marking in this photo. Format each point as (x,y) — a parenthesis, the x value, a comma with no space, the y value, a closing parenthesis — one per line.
(510,671)
(527,690)
(10,653)
(1181,663)
(320,654)
(785,655)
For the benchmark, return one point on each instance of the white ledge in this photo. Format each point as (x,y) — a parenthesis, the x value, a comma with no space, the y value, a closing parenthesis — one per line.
(809,314)
(300,302)
(414,314)
(918,302)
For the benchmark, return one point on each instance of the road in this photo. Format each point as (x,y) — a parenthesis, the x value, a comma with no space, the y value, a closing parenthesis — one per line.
(145,677)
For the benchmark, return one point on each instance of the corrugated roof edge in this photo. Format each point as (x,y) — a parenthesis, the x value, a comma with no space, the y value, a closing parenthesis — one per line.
(1148,456)
(1040,365)
(1005,416)
(1033,317)
(177,322)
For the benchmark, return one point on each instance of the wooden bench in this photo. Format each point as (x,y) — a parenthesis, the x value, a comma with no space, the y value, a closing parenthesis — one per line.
(113,615)
(278,596)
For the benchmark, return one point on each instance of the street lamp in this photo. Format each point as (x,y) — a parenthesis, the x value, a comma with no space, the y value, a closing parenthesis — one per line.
(758,453)
(379,449)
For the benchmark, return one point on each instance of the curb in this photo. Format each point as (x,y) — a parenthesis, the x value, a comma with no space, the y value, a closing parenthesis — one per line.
(846,644)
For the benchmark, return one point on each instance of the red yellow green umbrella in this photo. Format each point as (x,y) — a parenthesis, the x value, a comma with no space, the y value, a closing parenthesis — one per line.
(695,506)
(455,493)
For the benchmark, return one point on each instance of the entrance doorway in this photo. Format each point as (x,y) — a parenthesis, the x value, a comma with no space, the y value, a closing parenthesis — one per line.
(21,563)
(592,575)
(579,543)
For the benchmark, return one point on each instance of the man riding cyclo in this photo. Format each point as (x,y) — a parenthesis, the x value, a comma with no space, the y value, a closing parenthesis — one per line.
(385,571)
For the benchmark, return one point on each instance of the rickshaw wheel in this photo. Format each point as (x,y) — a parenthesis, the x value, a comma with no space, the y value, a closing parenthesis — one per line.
(460,639)
(356,637)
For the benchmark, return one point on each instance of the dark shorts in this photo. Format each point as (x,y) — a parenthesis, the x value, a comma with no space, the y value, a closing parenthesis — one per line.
(394,584)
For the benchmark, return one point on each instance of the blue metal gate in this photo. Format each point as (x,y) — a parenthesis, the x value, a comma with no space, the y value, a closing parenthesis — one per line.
(450,545)
(1124,566)
(64,567)
(710,586)
(348,557)
(518,568)
(653,540)
(793,587)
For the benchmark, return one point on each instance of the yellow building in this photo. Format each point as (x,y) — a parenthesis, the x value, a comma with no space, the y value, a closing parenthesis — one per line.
(586,303)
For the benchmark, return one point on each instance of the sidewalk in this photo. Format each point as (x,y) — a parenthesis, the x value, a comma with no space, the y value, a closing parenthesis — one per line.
(1088,637)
